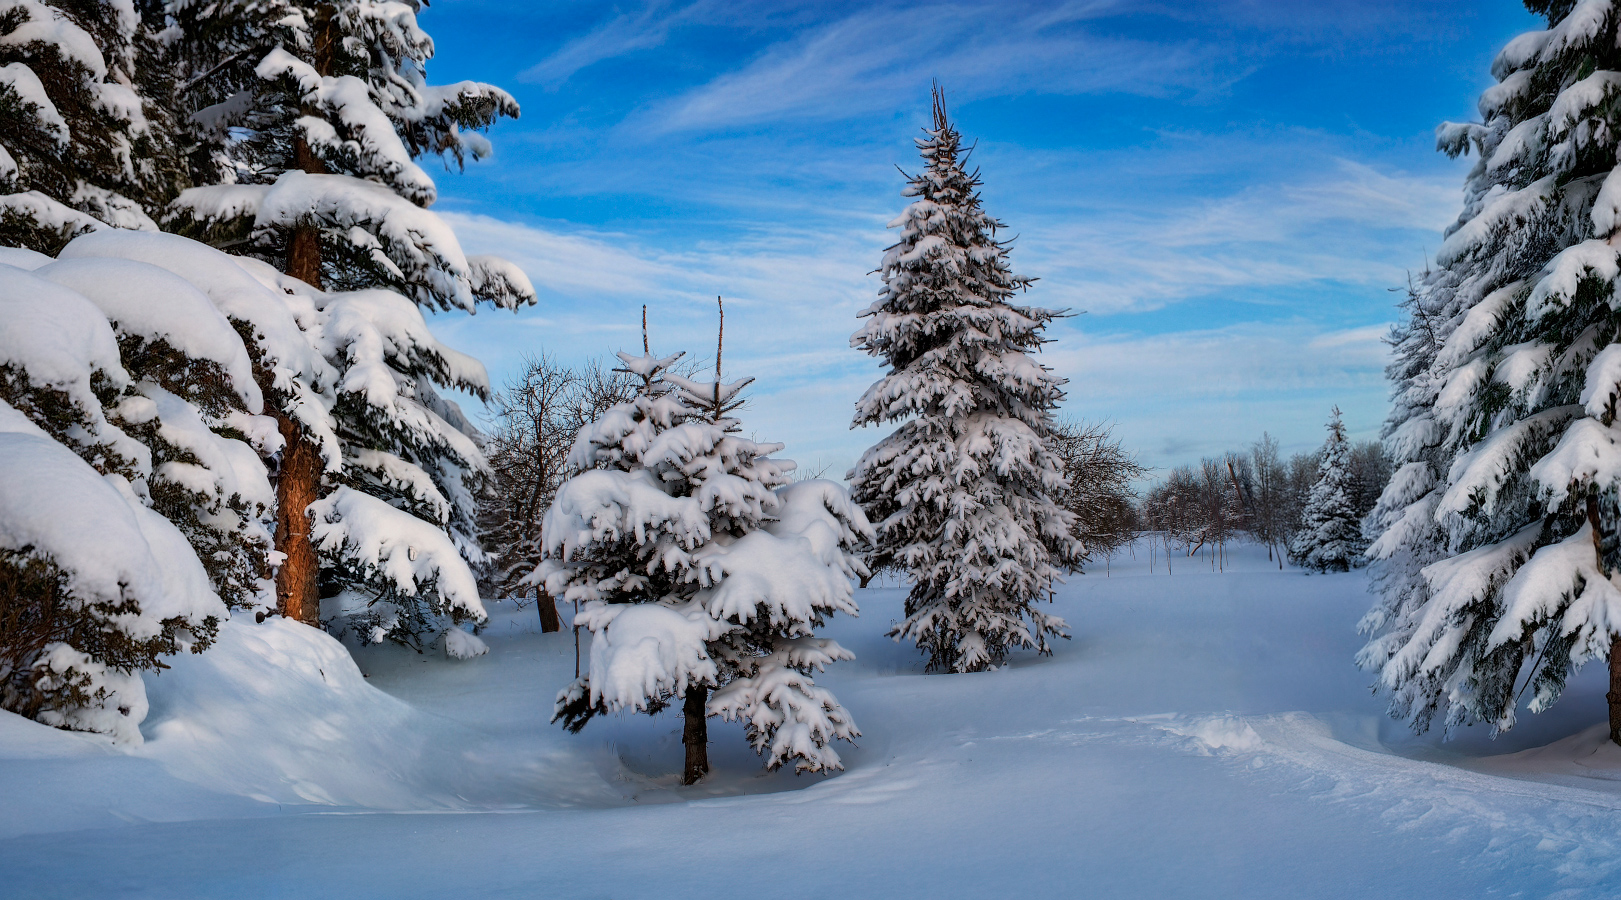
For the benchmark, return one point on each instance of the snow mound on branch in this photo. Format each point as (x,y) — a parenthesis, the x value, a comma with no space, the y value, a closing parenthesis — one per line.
(780,578)
(40,475)
(57,335)
(396,545)
(821,511)
(152,303)
(602,504)
(48,213)
(645,650)
(410,243)
(462,645)
(374,328)
(219,466)
(235,292)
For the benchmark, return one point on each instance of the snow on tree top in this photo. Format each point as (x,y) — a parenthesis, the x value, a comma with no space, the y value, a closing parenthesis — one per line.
(152,303)
(647,365)
(57,335)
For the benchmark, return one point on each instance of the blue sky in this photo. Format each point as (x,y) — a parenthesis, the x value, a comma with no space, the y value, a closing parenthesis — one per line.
(1227,192)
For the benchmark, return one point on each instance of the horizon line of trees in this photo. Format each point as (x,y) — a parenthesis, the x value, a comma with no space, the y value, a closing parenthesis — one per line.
(1257,493)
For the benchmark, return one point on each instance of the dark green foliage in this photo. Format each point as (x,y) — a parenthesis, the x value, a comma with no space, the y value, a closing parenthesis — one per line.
(37,611)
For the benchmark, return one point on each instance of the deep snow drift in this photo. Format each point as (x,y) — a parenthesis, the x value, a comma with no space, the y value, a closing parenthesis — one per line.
(1204,735)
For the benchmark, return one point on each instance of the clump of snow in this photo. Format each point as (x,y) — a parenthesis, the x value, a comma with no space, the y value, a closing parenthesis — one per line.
(396,546)
(146,301)
(57,336)
(296,366)
(461,644)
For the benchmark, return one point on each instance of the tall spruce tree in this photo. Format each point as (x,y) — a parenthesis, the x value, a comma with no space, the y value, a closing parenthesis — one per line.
(700,566)
(76,148)
(1330,534)
(964,493)
(1495,542)
(309,119)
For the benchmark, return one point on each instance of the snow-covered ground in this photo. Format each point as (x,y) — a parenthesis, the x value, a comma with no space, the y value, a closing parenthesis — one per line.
(1203,735)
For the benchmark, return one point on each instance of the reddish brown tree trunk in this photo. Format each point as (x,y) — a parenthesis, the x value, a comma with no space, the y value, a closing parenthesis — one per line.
(1614,696)
(695,735)
(297,591)
(550,621)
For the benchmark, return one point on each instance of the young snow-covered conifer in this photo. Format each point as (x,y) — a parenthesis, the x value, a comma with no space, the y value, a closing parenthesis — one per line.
(963,493)
(1330,533)
(313,116)
(699,566)
(1495,541)
(74,139)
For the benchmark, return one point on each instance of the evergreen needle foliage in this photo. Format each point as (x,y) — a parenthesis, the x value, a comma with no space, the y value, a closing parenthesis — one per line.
(965,494)
(1494,544)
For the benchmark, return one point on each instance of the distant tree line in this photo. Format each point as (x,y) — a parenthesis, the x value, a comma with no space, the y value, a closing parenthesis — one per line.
(1255,493)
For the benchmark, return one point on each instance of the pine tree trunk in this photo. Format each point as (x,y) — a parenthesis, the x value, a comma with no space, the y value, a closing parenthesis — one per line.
(696,734)
(550,621)
(1614,696)
(297,486)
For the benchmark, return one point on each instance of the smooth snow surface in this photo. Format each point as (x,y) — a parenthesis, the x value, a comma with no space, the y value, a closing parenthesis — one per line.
(1204,735)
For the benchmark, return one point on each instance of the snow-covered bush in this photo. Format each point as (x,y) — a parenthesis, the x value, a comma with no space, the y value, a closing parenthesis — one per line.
(1330,532)
(73,133)
(698,565)
(1494,545)
(964,493)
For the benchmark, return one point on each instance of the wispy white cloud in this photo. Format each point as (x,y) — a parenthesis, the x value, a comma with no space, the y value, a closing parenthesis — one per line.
(792,296)
(1351,225)
(624,33)
(867,61)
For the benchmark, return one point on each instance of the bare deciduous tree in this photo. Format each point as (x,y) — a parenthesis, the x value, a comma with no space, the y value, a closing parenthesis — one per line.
(1098,474)
(536,417)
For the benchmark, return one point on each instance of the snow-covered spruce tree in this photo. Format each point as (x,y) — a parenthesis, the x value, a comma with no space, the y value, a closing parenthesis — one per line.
(1330,533)
(311,118)
(964,493)
(698,565)
(75,143)
(392,499)
(1495,541)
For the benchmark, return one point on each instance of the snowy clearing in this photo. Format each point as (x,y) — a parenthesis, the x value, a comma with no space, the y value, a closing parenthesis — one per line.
(1204,735)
